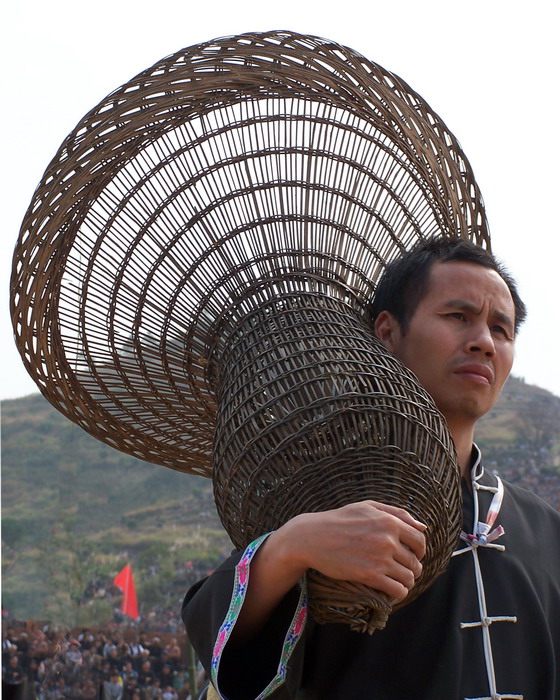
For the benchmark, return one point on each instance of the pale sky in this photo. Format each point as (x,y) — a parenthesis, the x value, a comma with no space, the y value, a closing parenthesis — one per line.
(489,68)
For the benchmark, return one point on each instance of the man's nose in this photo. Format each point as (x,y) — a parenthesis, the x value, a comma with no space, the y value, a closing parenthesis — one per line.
(481,341)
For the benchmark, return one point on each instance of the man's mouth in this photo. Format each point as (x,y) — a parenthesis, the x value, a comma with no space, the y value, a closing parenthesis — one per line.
(479,373)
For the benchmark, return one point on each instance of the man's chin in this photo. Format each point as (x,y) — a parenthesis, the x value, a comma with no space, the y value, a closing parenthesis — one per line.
(468,411)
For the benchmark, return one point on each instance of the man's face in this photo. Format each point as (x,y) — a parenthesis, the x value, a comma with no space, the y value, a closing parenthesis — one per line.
(459,342)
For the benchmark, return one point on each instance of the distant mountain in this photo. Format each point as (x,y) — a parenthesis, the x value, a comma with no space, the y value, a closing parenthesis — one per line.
(520,437)
(74,510)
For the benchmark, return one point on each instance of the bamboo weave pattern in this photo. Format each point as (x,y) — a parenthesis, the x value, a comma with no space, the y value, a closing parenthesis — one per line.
(240,199)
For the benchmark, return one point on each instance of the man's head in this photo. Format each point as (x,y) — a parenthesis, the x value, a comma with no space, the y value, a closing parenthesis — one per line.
(449,312)
(405,280)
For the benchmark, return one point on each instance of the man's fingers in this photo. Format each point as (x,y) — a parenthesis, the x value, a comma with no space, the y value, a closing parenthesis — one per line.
(398,582)
(401,513)
(414,541)
(409,561)
(412,533)
(363,542)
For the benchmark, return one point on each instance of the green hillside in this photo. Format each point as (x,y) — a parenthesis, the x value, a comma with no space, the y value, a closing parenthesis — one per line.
(74,511)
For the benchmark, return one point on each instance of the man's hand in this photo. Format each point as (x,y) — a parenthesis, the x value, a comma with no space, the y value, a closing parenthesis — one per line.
(378,545)
(368,542)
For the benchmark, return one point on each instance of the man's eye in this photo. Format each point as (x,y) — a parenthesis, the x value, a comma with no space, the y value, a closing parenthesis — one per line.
(458,315)
(500,330)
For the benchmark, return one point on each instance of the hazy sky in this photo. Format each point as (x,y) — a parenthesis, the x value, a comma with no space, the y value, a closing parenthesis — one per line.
(489,68)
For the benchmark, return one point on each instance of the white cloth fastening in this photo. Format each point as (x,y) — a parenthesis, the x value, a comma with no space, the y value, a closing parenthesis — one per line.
(483,536)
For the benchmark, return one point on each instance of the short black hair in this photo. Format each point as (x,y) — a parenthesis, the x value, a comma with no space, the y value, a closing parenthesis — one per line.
(404,282)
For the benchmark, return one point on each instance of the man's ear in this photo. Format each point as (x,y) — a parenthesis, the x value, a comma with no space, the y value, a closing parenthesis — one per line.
(387,329)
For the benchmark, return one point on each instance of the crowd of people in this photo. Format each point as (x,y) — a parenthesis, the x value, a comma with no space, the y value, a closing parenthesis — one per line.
(50,664)
(514,465)
(119,663)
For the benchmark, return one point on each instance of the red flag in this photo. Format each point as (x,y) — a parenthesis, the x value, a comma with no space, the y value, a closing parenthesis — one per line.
(125,582)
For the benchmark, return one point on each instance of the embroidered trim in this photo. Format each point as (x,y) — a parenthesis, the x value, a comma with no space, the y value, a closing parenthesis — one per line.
(291,639)
(237,599)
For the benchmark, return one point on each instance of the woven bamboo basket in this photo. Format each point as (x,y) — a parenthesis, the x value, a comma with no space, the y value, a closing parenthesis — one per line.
(192,278)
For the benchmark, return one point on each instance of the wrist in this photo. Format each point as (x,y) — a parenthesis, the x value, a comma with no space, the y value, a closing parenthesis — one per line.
(285,545)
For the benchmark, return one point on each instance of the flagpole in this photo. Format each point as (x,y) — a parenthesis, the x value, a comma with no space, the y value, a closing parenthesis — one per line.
(191,662)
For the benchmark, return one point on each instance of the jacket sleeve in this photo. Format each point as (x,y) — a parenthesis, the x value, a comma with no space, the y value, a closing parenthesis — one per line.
(267,667)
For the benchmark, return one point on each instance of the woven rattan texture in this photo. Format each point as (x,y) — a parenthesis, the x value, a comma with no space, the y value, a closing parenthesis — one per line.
(315,414)
(229,163)
(169,240)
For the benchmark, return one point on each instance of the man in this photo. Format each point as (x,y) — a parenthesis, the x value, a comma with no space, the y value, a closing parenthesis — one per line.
(113,688)
(487,628)
(13,678)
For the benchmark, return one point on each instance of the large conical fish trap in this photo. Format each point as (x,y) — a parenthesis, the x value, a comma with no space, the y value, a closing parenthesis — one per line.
(198,259)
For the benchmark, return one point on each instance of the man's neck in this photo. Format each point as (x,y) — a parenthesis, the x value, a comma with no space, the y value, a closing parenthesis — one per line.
(463,440)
